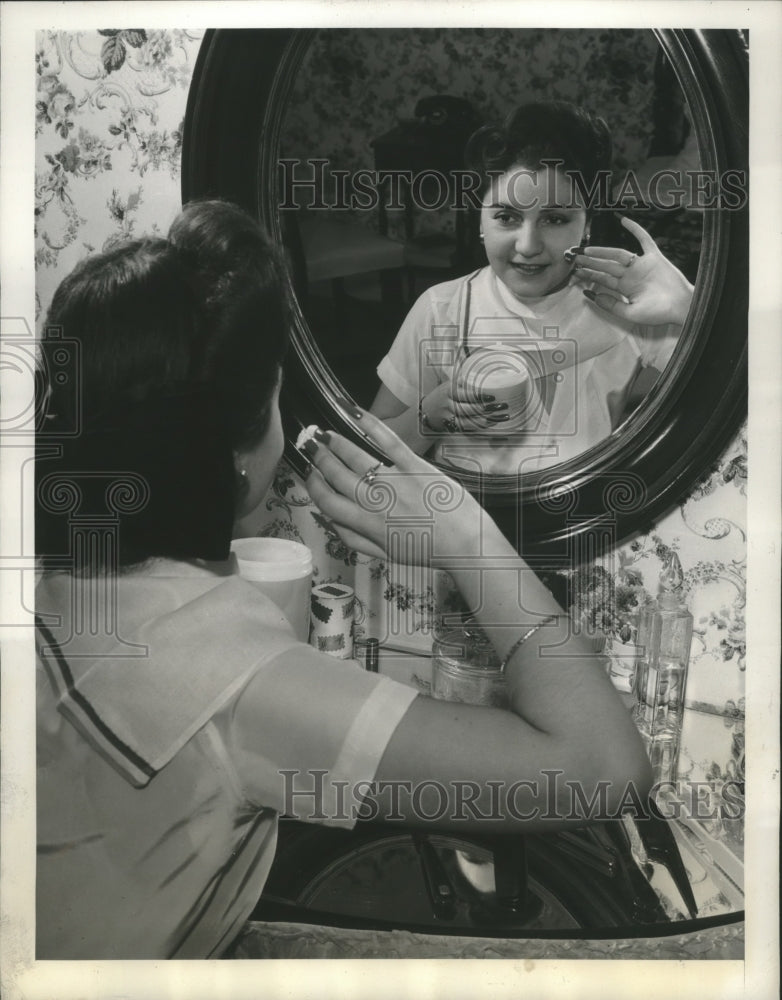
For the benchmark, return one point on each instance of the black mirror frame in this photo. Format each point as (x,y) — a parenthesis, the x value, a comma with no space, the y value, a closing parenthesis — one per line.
(625,483)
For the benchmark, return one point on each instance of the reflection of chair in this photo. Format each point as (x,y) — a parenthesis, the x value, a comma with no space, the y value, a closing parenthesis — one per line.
(339,249)
(352,329)
(335,249)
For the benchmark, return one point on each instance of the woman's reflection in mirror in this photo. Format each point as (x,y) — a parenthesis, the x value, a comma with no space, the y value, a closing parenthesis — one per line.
(542,353)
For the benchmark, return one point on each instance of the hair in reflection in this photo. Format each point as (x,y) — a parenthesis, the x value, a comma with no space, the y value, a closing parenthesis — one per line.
(180,346)
(544,131)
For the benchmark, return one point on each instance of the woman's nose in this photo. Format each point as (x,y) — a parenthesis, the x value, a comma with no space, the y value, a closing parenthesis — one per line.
(528,242)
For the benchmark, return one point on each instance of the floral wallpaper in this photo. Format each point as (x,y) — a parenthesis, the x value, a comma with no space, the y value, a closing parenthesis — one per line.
(110,109)
(357,84)
(109,114)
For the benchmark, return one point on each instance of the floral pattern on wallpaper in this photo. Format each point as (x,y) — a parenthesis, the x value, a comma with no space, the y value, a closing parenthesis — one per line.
(357,84)
(109,116)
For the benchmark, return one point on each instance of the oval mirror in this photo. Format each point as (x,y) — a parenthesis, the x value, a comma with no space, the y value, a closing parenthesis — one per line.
(349,155)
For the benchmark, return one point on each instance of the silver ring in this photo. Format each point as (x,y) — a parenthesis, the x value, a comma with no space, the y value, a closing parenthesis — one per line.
(450,425)
(630,262)
(371,474)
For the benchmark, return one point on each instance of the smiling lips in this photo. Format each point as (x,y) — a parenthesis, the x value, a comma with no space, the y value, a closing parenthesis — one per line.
(529,268)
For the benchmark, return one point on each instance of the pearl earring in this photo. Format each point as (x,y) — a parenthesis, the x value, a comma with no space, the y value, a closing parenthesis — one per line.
(480,237)
(240,469)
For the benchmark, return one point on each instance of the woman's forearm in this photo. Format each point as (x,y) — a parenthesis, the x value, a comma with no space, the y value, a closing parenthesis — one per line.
(407,426)
(565,718)
(557,685)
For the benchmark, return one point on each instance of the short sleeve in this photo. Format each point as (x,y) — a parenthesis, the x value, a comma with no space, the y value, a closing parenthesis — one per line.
(308,731)
(403,370)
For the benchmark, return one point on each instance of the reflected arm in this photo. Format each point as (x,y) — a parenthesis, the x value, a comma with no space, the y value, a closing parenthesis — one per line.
(402,419)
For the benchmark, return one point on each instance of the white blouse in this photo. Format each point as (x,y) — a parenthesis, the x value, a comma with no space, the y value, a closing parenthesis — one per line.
(579,364)
(157,819)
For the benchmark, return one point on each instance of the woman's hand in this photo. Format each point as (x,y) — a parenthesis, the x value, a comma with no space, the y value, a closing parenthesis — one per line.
(373,505)
(653,291)
(452,406)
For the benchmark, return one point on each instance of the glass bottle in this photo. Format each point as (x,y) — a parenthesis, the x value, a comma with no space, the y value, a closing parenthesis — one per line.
(665,635)
(643,632)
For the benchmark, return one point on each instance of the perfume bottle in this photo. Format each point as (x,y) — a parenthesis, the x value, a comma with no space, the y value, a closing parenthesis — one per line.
(664,637)
(646,615)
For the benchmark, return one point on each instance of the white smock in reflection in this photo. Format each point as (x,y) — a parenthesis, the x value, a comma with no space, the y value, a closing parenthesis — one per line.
(577,367)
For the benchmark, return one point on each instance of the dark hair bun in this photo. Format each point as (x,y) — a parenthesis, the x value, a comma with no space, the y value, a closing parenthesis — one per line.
(180,344)
(543,130)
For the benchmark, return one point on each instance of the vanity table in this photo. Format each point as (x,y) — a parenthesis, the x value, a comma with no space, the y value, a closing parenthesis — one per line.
(378,892)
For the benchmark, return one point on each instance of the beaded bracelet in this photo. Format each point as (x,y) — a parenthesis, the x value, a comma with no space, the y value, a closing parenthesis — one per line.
(520,641)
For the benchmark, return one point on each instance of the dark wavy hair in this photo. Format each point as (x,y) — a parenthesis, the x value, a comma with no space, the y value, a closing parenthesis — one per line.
(543,131)
(241,277)
(178,346)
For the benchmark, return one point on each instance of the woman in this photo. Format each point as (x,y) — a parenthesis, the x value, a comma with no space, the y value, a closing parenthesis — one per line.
(177,713)
(545,350)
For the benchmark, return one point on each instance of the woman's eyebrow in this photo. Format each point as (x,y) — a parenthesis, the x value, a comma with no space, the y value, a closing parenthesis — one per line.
(509,206)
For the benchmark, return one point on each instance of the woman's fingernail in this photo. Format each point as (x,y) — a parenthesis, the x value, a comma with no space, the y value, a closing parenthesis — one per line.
(350,407)
(493,407)
(310,448)
(324,436)
(488,399)
(306,470)
(569,255)
(590,294)
(499,418)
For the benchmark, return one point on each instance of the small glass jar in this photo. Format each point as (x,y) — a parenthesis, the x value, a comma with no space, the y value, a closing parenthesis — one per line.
(465,668)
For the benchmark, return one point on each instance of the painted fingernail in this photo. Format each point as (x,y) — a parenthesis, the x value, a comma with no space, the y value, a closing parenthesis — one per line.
(488,399)
(500,417)
(590,294)
(310,448)
(324,436)
(493,407)
(350,407)
(306,470)
(569,256)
